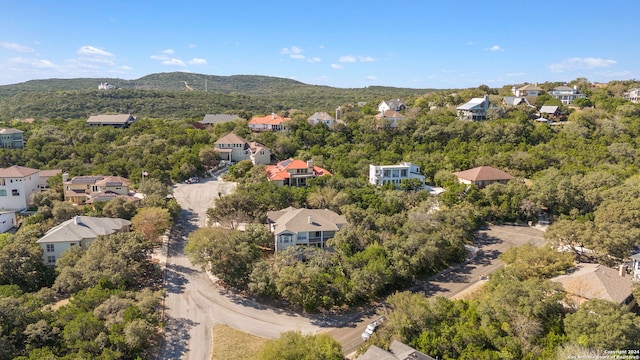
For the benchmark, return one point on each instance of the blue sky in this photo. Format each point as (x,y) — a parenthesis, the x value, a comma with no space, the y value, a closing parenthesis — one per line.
(415,44)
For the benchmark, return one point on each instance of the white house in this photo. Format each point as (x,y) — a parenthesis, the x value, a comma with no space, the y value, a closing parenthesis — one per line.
(526,90)
(633,95)
(11,138)
(394,105)
(232,147)
(305,227)
(79,231)
(321,118)
(394,174)
(7,220)
(475,109)
(389,119)
(567,95)
(17,184)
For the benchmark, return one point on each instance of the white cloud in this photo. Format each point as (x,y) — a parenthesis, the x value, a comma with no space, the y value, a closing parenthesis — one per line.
(494,48)
(347,59)
(314,60)
(125,68)
(159,57)
(515,74)
(168,51)
(580,63)
(40,64)
(93,51)
(174,62)
(191,46)
(16,47)
(297,56)
(371,78)
(337,66)
(198,61)
(366,59)
(294,50)
(470,43)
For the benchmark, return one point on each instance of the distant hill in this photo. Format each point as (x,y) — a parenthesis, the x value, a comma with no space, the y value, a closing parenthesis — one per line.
(180,95)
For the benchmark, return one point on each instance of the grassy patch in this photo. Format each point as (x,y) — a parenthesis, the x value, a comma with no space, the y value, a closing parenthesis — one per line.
(229,343)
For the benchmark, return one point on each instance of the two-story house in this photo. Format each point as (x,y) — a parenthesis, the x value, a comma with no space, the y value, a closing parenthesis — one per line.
(81,190)
(294,172)
(11,138)
(633,95)
(17,184)
(116,121)
(79,231)
(526,90)
(389,119)
(305,227)
(566,94)
(233,148)
(211,120)
(394,174)
(273,122)
(394,105)
(474,109)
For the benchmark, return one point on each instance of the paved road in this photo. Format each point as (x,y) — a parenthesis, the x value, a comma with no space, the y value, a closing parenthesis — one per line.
(452,282)
(194,303)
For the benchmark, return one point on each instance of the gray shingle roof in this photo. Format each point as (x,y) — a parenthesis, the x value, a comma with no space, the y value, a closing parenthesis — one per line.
(218,118)
(83,227)
(297,220)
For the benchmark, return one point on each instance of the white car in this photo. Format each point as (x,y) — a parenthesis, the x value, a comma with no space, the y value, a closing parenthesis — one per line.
(366,334)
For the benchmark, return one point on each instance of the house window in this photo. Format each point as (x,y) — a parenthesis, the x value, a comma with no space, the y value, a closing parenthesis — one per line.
(50,248)
(15,192)
(3,192)
(51,259)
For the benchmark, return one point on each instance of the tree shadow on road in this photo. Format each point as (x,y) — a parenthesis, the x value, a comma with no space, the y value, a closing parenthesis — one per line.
(484,239)
(176,338)
(175,279)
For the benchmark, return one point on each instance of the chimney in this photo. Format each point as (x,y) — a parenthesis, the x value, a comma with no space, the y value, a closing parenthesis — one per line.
(65,177)
(622,270)
(309,164)
(309,219)
(76,220)
(273,116)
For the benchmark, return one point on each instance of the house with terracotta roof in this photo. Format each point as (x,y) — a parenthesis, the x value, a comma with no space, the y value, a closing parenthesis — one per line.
(116,121)
(17,184)
(594,281)
(11,138)
(388,119)
(82,190)
(303,227)
(293,172)
(79,231)
(233,148)
(45,175)
(321,118)
(273,122)
(526,90)
(482,176)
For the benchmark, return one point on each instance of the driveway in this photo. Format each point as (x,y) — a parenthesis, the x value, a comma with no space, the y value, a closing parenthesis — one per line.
(194,303)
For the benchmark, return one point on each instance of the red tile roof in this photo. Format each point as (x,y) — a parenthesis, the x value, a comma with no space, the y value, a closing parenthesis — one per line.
(280,171)
(272,119)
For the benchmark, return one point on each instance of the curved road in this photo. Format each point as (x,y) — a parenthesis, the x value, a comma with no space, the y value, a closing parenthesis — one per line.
(194,303)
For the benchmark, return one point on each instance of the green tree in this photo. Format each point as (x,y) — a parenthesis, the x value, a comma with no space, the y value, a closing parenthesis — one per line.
(151,222)
(295,346)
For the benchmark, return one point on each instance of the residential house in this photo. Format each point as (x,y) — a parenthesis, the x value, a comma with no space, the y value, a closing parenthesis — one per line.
(17,184)
(474,109)
(79,231)
(321,118)
(106,86)
(549,111)
(394,174)
(389,119)
(595,281)
(81,190)
(394,105)
(45,175)
(211,120)
(515,101)
(482,176)
(526,90)
(294,172)
(7,221)
(116,121)
(11,138)
(306,227)
(633,95)
(567,95)
(397,351)
(233,148)
(273,122)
